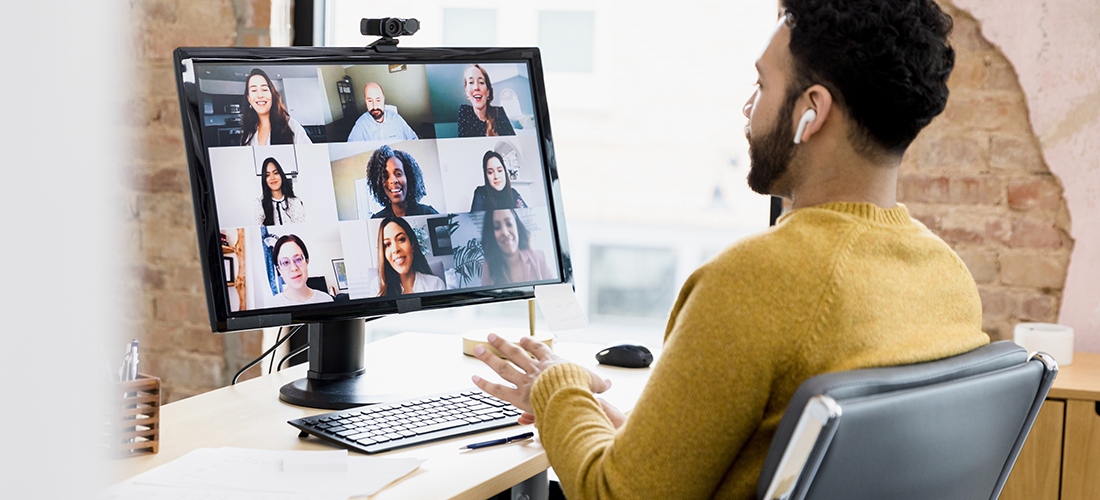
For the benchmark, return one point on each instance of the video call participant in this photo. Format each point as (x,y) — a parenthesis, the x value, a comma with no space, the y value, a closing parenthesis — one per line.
(479,119)
(497,192)
(278,205)
(846,280)
(379,123)
(396,182)
(509,257)
(402,267)
(266,120)
(292,261)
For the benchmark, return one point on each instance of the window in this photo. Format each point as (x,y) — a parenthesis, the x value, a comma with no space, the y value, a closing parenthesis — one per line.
(632,281)
(469,27)
(565,39)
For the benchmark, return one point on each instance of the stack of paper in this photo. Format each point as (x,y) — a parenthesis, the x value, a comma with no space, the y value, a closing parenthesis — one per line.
(223,473)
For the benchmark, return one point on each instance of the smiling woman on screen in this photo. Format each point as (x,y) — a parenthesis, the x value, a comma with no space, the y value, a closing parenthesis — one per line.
(266,120)
(402,267)
(396,182)
(292,261)
(509,257)
(278,205)
(497,192)
(479,118)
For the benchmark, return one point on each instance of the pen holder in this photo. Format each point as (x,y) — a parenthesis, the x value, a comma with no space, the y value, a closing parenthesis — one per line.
(135,428)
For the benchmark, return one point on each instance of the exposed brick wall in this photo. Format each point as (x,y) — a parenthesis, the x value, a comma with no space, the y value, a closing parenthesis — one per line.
(168,312)
(977,178)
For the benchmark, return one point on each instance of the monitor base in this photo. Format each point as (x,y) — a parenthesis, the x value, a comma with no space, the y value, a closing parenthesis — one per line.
(331,394)
(335,380)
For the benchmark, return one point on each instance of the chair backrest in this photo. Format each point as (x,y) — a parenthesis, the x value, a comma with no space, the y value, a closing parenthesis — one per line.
(945,429)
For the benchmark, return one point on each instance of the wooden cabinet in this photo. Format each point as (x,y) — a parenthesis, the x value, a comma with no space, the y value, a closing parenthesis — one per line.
(1061,458)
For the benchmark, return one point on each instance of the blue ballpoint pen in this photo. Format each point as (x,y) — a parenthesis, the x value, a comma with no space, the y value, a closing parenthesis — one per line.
(520,437)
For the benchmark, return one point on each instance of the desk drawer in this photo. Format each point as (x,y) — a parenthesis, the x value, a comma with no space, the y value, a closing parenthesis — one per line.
(1081,457)
(1038,468)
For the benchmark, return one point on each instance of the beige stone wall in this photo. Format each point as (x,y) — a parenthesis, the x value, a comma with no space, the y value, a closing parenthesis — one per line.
(977,178)
(168,305)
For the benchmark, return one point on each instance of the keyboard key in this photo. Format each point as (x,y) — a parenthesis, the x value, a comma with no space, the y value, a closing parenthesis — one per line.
(440,426)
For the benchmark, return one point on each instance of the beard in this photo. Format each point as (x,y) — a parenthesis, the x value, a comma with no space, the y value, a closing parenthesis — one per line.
(770,154)
(376,113)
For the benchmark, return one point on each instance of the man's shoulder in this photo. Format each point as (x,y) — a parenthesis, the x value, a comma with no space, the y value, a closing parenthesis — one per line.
(392,114)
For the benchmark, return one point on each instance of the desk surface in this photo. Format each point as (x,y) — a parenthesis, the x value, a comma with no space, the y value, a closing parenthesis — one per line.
(250,415)
(1079,380)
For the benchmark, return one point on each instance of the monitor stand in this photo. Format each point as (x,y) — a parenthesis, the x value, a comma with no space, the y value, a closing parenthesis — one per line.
(335,378)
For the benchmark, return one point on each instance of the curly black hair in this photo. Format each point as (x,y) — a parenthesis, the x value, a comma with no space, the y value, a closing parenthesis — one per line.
(376,175)
(885,61)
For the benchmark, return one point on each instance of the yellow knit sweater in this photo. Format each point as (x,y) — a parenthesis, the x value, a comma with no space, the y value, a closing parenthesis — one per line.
(834,287)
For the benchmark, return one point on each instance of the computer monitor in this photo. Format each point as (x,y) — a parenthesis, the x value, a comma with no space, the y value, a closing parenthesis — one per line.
(336,184)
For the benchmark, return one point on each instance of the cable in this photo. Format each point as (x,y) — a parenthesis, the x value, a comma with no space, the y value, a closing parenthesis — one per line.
(271,367)
(262,356)
(291,355)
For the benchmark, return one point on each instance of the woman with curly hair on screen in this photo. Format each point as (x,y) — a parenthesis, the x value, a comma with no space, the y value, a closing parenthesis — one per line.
(396,182)
(402,267)
(265,120)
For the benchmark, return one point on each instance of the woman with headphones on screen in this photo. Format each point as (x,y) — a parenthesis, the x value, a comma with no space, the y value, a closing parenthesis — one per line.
(402,267)
(497,192)
(266,120)
(479,118)
(396,182)
(292,261)
(509,257)
(278,205)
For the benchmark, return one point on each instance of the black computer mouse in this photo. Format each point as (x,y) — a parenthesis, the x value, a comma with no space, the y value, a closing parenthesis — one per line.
(626,356)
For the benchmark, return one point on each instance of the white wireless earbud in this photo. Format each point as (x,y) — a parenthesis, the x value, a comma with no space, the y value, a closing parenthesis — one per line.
(807,117)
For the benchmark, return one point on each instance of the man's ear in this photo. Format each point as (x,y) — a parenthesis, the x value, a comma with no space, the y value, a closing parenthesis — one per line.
(820,100)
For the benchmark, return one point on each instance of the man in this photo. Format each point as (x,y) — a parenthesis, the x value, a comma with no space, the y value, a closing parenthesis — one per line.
(379,123)
(846,280)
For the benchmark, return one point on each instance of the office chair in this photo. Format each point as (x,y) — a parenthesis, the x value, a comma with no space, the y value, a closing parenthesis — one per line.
(945,429)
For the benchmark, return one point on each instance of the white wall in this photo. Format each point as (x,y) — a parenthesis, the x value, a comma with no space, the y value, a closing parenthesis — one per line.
(64,250)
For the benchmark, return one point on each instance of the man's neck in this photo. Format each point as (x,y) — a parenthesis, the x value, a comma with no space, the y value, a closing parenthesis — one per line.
(849,177)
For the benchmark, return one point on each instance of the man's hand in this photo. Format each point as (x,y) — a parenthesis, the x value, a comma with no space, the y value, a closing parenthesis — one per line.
(522,372)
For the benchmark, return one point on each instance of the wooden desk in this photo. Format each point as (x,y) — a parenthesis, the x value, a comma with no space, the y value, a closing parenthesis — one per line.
(1061,458)
(250,415)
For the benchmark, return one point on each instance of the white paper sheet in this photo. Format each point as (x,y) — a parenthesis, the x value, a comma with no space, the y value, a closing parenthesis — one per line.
(315,461)
(262,471)
(560,307)
(144,492)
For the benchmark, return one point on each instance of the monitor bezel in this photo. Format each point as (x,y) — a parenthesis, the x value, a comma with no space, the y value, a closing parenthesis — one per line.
(222,319)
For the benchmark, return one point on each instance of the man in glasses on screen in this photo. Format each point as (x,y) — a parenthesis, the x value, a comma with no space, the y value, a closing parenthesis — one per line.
(380,122)
(846,280)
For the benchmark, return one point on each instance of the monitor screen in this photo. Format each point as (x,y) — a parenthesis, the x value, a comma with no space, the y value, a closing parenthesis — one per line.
(339,183)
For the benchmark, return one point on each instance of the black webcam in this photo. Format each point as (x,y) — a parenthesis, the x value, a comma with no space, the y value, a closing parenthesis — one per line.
(388,27)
